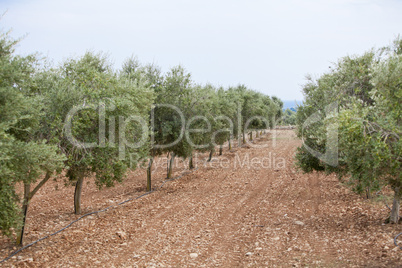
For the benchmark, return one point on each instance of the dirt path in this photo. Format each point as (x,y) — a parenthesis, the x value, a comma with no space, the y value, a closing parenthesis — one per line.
(247,208)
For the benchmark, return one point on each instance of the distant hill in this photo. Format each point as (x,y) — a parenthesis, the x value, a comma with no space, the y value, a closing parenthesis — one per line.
(291,104)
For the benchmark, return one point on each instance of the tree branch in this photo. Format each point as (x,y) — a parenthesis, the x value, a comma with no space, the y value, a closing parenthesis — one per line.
(40,184)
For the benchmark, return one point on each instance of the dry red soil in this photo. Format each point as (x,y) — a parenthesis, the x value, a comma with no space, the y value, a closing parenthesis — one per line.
(248,208)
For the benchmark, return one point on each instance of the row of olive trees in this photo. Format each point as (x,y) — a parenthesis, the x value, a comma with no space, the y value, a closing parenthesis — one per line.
(52,119)
(351,122)
(187,117)
(87,119)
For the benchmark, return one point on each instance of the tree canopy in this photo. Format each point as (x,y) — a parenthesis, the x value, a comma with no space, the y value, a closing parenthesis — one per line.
(87,118)
(350,122)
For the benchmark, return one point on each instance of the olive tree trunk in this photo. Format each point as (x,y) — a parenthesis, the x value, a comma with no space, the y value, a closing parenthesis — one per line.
(149,174)
(394,218)
(77,194)
(220,149)
(191,163)
(230,144)
(211,153)
(25,204)
(27,198)
(170,168)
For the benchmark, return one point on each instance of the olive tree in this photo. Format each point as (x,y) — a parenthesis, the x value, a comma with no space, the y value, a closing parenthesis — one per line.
(366,91)
(151,75)
(25,156)
(104,118)
(173,104)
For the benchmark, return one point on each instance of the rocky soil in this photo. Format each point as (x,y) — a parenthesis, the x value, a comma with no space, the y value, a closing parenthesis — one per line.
(249,207)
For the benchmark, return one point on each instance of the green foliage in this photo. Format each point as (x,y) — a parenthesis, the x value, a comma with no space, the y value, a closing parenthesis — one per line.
(289,117)
(306,161)
(257,110)
(279,107)
(104,103)
(200,123)
(169,123)
(367,90)
(24,155)
(225,116)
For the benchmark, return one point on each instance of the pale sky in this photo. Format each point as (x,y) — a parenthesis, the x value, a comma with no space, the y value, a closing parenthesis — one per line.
(267,45)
